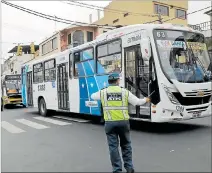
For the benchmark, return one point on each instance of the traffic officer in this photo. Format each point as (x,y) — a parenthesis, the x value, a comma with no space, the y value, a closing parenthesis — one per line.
(114,100)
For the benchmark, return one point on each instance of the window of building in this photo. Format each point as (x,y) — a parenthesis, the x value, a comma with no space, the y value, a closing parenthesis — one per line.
(161,9)
(44,49)
(104,31)
(180,14)
(89,36)
(38,73)
(80,56)
(69,39)
(50,70)
(109,57)
(54,43)
(78,38)
(115,21)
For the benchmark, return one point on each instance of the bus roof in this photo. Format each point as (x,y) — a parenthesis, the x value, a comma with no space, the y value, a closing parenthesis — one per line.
(116,33)
(133,28)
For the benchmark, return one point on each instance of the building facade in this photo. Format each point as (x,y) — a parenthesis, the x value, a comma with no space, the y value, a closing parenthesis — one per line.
(206,29)
(69,37)
(13,64)
(144,12)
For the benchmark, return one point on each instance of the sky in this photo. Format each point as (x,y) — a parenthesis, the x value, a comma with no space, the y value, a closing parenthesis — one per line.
(18,26)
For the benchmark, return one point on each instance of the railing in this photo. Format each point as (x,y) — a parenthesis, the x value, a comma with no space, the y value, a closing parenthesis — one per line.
(202,26)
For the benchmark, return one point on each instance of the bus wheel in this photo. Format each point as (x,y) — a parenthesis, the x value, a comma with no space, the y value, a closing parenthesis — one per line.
(42,108)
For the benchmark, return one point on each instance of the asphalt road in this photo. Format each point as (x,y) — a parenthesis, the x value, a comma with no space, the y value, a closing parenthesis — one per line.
(70,146)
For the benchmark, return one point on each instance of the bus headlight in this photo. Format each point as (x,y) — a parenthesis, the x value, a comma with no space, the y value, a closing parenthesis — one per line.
(171,97)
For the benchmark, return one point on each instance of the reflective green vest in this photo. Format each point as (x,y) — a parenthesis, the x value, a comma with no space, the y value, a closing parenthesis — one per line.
(114,101)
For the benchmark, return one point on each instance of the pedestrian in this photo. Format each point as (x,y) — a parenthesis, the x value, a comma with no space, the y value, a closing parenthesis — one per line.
(114,100)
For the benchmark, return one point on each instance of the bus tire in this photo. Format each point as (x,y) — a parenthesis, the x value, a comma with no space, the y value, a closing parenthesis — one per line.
(42,108)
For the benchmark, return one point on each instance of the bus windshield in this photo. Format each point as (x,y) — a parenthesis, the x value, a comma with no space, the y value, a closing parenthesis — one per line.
(183,55)
(13,84)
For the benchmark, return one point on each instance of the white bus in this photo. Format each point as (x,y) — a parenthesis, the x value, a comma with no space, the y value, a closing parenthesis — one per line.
(168,62)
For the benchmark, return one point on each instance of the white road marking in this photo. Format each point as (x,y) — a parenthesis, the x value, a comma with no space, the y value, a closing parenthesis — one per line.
(72,119)
(49,120)
(11,128)
(32,124)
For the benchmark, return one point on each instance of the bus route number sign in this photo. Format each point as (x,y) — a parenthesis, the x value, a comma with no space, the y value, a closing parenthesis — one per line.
(41,87)
(161,34)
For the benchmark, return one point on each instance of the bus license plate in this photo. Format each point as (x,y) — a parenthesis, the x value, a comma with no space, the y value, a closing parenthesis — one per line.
(196,114)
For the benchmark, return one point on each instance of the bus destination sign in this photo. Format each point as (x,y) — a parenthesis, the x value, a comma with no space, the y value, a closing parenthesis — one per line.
(13,77)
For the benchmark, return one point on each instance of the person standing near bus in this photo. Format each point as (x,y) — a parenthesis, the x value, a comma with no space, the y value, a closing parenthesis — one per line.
(115,100)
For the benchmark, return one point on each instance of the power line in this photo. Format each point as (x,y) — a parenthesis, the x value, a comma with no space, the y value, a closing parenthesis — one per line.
(53,18)
(95,7)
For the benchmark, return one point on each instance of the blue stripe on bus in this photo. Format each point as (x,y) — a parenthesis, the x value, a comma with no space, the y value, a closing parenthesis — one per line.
(83,88)
(23,87)
(88,68)
(82,103)
(83,96)
(100,68)
(92,86)
(101,80)
(80,69)
(91,81)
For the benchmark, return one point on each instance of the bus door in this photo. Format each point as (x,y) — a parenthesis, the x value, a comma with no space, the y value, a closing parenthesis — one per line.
(29,89)
(62,86)
(137,80)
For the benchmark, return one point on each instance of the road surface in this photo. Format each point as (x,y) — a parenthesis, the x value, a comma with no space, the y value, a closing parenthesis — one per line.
(32,143)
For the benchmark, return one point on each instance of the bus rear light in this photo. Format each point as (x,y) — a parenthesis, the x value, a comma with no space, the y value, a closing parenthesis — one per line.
(154,111)
(153,106)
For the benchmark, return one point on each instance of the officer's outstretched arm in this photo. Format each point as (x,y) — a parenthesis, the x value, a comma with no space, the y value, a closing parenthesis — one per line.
(136,101)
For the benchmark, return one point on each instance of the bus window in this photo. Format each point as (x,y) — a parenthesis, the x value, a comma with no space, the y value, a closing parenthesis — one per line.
(50,70)
(82,56)
(109,57)
(38,73)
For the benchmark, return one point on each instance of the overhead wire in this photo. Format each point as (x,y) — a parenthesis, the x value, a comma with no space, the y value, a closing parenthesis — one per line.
(50,17)
(95,7)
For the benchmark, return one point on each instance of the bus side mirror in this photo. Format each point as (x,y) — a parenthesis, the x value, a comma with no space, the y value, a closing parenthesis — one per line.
(146,49)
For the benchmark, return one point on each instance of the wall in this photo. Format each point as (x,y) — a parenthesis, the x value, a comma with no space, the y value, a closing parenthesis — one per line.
(15,63)
(50,49)
(144,7)
(64,35)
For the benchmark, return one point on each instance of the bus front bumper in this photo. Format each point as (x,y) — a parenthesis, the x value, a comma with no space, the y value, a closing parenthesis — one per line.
(179,112)
(11,101)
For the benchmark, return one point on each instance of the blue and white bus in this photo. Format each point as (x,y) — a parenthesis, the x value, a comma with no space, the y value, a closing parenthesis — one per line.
(168,62)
